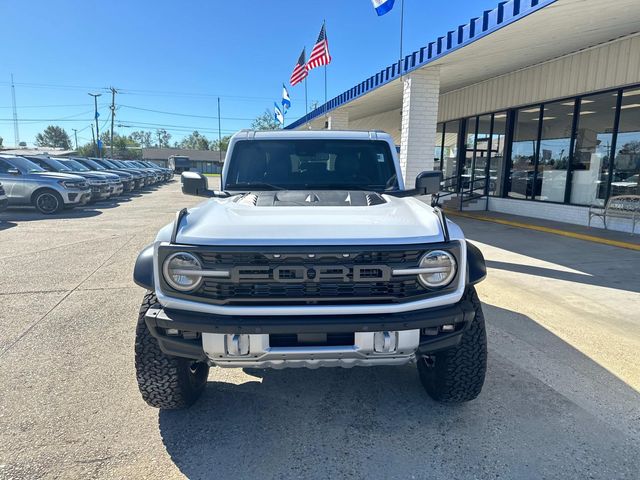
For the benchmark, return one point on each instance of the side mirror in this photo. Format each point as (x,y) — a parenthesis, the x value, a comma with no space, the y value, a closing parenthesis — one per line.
(13,171)
(428,183)
(194,183)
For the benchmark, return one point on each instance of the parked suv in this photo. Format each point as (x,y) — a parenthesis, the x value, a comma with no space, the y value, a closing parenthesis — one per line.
(4,201)
(313,254)
(126,179)
(145,178)
(26,183)
(104,167)
(103,185)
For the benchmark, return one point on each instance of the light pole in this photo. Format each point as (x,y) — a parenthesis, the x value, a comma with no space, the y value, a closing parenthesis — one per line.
(95,101)
(75,134)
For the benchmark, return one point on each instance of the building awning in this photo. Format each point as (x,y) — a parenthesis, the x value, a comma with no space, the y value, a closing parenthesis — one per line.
(514,35)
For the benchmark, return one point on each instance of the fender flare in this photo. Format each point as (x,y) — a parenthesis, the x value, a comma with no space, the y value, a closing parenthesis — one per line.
(143,269)
(476,266)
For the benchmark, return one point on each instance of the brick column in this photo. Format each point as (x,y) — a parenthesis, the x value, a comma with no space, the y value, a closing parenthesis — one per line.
(338,120)
(420,97)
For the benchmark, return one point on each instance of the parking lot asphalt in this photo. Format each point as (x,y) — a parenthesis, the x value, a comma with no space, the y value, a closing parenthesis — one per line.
(561,398)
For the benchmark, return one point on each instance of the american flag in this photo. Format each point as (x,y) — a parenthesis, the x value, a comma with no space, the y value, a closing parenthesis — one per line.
(320,54)
(299,71)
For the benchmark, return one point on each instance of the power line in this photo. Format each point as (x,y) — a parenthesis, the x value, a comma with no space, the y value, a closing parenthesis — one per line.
(184,114)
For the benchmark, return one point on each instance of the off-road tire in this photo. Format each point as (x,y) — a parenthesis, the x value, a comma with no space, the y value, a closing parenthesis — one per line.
(47,201)
(456,375)
(164,381)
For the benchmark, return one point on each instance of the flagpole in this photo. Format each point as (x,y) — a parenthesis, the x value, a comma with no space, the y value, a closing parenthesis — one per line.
(401,35)
(306,102)
(324,25)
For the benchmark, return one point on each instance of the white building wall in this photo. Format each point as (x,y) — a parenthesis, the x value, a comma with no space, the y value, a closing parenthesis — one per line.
(420,98)
(605,66)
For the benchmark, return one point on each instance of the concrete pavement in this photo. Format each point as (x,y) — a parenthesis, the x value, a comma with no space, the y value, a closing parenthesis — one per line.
(561,398)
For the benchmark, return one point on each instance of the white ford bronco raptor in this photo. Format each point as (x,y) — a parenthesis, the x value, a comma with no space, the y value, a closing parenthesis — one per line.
(312,254)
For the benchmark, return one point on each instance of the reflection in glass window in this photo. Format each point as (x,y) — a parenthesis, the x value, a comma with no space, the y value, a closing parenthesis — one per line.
(467,167)
(523,152)
(496,166)
(438,151)
(450,153)
(555,145)
(590,164)
(626,167)
(483,143)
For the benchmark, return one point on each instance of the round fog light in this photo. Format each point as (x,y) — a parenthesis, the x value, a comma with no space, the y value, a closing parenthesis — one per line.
(177,271)
(440,269)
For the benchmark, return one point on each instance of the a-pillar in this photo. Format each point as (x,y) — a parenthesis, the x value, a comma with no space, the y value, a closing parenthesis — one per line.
(338,120)
(421,93)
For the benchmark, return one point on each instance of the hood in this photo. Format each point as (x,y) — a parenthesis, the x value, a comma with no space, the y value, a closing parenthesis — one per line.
(58,175)
(97,175)
(309,218)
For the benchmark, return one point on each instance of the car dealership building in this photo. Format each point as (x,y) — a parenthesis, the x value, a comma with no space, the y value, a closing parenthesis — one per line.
(532,108)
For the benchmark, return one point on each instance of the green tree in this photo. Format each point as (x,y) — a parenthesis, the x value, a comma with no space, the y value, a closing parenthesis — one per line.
(223,144)
(265,122)
(195,141)
(1,140)
(142,138)
(163,138)
(53,136)
(123,147)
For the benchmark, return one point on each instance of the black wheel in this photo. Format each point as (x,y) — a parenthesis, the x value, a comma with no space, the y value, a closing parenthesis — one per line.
(456,375)
(164,381)
(48,202)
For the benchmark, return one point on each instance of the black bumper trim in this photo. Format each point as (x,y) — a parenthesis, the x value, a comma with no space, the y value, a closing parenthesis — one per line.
(210,323)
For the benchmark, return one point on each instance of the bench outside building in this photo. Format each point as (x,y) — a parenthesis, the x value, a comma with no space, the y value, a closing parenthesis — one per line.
(622,206)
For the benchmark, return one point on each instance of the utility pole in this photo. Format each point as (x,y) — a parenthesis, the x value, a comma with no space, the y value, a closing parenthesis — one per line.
(93,134)
(16,134)
(219,132)
(158,133)
(113,115)
(97,137)
(75,135)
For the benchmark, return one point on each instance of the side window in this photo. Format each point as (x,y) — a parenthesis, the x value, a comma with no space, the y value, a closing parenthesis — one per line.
(4,166)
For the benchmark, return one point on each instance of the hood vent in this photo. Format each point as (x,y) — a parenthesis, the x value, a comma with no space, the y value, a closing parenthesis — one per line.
(305,198)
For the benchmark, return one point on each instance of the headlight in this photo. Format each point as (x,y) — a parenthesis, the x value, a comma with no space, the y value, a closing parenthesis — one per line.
(176,271)
(71,184)
(441,268)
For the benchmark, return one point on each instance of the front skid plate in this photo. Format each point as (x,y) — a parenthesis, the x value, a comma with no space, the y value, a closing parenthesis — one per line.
(255,351)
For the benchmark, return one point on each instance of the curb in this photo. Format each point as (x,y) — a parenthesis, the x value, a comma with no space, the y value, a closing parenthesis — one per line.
(555,231)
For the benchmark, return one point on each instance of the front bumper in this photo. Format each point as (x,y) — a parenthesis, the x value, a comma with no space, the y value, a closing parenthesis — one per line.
(182,333)
(80,197)
(116,189)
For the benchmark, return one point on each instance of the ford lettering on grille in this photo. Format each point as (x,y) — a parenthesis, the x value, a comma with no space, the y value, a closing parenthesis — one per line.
(315,273)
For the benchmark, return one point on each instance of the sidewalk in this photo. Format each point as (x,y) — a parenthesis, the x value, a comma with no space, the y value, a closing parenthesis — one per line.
(589,234)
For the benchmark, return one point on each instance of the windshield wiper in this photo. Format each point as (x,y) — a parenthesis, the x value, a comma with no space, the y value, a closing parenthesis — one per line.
(257,185)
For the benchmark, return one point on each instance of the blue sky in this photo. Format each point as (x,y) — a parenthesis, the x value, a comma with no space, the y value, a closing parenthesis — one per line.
(179,56)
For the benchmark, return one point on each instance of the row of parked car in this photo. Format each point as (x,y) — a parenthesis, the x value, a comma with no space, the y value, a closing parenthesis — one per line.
(51,184)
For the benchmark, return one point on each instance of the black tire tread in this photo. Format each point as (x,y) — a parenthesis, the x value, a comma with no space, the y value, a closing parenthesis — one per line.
(161,378)
(459,373)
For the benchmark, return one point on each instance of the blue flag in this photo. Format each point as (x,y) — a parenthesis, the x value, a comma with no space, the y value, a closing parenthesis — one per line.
(97,114)
(382,6)
(277,114)
(286,101)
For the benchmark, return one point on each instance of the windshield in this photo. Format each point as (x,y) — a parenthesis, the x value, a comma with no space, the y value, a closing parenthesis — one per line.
(119,164)
(305,164)
(108,163)
(76,166)
(24,165)
(57,165)
(94,165)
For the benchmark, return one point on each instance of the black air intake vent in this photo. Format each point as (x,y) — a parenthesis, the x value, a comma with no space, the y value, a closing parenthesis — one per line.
(316,198)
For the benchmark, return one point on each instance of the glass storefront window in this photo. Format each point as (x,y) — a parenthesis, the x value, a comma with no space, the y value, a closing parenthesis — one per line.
(483,145)
(467,167)
(591,157)
(496,166)
(450,154)
(523,154)
(555,145)
(437,156)
(626,167)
